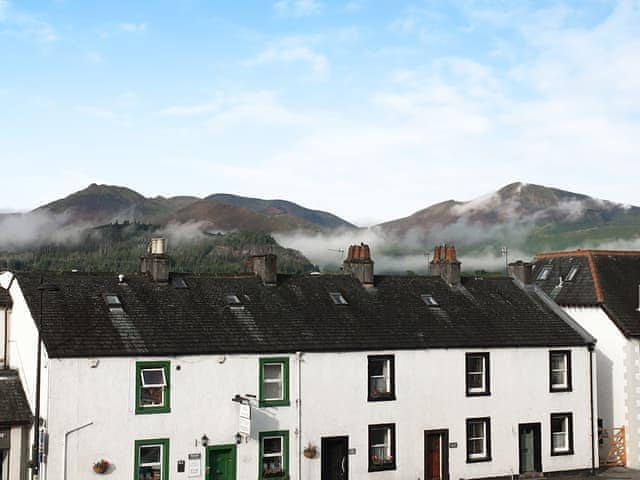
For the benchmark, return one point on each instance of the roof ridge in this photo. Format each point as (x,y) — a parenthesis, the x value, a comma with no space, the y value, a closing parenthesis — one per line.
(586,253)
(596,277)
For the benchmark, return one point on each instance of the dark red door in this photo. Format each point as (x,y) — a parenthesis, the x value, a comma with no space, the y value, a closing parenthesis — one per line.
(436,454)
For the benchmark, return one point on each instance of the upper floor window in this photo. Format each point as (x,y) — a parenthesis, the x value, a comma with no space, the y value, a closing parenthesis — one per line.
(561,434)
(560,370)
(381,377)
(274,455)
(152,459)
(478,440)
(477,374)
(382,447)
(274,382)
(152,387)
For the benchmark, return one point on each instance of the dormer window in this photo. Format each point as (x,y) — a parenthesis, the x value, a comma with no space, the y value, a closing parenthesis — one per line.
(428,299)
(338,299)
(545,272)
(113,303)
(572,273)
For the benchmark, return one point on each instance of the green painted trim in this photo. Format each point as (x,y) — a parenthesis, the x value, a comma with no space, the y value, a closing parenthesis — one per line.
(165,455)
(285,382)
(285,453)
(166,408)
(234,457)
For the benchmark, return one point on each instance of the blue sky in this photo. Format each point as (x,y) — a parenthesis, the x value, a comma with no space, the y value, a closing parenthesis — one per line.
(369,109)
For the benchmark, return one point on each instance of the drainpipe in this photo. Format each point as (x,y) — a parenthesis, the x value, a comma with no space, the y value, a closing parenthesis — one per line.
(5,360)
(299,405)
(594,438)
(66,436)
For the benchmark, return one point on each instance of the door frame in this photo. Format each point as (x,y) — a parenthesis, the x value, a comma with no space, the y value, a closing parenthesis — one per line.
(444,451)
(537,445)
(214,448)
(323,442)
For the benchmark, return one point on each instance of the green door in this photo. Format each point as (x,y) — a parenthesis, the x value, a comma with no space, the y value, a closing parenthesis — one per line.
(221,462)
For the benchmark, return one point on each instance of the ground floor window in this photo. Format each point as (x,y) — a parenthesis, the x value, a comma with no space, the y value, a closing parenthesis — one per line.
(274,455)
(478,439)
(382,447)
(152,459)
(561,434)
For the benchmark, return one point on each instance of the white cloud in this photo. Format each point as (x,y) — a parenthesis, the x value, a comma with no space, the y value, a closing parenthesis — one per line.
(133,27)
(297,8)
(292,50)
(25,25)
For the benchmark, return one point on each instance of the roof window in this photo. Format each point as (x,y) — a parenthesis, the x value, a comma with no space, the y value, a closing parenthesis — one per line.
(338,299)
(114,304)
(428,299)
(544,273)
(233,300)
(572,273)
(179,283)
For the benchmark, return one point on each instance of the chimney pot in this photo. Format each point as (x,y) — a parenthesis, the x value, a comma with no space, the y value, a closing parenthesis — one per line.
(445,264)
(265,267)
(156,262)
(359,264)
(522,271)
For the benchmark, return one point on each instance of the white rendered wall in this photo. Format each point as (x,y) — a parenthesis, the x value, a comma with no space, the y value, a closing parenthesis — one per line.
(616,355)
(430,392)
(18,453)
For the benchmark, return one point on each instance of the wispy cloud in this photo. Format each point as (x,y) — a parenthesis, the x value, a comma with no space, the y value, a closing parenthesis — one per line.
(297,8)
(133,27)
(26,25)
(293,50)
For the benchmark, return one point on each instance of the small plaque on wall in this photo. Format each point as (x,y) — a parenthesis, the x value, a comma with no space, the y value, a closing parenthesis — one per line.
(453,444)
(194,464)
(351,451)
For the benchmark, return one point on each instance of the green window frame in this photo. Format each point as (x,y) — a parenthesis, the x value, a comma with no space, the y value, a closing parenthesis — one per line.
(283,435)
(164,454)
(283,398)
(165,405)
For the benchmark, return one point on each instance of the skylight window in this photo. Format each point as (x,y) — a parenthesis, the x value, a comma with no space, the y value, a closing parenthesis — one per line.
(545,272)
(233,300)
(179,283)
(338,299)
(572,273)
(113,303)
(428,299)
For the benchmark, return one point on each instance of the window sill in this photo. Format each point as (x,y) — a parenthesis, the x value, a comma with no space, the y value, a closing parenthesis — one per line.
(152,410)
(381,468)
(274,403)
(478,394)
(560,389)
(558,454)
(382,398)
(478,460)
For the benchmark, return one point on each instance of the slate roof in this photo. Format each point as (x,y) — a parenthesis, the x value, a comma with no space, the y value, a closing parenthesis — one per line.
(296,315)
(5,299)
(14,408)
(607,278)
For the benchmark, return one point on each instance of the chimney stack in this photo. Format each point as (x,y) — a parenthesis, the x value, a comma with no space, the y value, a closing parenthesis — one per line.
(359,264)
(156,261)
(264,266)
(522,271)
(445,263)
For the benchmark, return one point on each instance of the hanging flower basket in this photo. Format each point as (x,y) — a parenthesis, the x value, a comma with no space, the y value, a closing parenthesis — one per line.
(310,451)
(101,466)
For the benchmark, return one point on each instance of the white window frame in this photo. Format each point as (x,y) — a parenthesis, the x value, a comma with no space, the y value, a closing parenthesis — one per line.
(152,464)
(545,271)
(564,370)
(338,298)
(279,380)
(573,271)
(565,433)
(144,385)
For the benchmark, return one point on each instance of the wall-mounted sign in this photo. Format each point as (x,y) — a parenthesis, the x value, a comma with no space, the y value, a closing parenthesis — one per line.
(194,464)
(244,422)
(453,445)
(351,451)
(5,439)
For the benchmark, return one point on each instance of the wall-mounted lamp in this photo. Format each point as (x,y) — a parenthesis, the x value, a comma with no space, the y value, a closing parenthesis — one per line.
(238,438)
(204,440)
